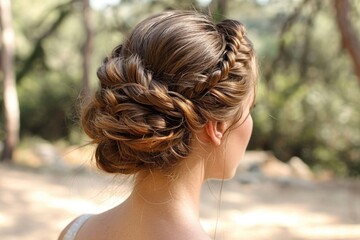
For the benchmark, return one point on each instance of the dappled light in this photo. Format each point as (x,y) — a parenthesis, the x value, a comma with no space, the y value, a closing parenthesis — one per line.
(257,211)
(300,176)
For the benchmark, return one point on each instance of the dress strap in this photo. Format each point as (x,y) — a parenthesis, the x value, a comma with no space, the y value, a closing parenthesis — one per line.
(75,226)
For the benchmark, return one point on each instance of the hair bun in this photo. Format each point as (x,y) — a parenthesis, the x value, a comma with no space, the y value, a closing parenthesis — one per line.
(135,120)
(175,71)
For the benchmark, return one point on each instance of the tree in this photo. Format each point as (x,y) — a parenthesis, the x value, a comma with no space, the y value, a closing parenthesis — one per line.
(219,8)
(63,10)
(349,37)
(310,89)
(87,47)
(11,104)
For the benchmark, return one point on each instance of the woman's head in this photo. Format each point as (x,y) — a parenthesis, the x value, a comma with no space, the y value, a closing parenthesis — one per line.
(176,71)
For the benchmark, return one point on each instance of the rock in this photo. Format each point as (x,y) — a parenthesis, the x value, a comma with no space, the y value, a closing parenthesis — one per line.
(249,178)
(48,155)
(253,160)
(293,182)
(300,169)
(275,168)
(261,166)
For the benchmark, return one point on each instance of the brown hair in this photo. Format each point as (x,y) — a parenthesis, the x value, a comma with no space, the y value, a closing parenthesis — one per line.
(176,70)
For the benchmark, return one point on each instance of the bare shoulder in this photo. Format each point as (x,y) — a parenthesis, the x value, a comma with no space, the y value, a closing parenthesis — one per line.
(187,233)
(63,232)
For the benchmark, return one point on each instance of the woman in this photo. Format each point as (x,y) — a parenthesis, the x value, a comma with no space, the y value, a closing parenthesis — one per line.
(172,110)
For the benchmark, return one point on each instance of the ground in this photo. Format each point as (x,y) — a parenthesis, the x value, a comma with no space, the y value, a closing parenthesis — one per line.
(35,204)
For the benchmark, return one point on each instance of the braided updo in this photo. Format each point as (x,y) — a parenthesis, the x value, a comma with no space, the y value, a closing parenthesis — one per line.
(175,71)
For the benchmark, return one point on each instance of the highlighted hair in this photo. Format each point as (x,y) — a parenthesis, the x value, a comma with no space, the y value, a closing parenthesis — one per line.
(176,71)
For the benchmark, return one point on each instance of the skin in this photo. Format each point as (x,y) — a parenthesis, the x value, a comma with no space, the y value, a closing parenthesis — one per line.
(230,146)
(159,206)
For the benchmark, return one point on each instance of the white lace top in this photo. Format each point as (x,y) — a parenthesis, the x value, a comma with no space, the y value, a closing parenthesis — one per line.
(75,226)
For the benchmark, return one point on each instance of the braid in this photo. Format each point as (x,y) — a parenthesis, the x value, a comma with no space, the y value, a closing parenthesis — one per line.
(160,88)
(237,50)
(137,113)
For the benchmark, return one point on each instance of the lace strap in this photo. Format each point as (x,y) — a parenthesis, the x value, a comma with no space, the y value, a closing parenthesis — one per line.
(75,226)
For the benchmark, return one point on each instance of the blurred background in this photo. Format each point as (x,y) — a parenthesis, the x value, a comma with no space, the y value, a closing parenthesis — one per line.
(306,137)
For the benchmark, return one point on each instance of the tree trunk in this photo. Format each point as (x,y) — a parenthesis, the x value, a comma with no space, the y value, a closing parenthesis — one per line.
(282,52)
(87,50)
(349,37)
(219,9)
(11,103)
(37,54)
(223,7)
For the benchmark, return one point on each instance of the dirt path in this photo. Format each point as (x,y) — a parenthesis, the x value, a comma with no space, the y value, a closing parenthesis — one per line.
(36,205)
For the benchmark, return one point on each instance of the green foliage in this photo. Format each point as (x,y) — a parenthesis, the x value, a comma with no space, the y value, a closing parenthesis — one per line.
(47,104)
(49,63)
(313,114)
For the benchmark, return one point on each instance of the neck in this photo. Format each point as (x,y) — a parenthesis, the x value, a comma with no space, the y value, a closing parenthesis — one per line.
(174,198)
(161,204)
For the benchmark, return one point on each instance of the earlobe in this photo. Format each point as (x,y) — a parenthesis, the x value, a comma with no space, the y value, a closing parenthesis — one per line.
(215,131)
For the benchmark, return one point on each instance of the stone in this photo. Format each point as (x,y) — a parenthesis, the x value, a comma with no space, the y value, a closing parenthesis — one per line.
(48,155)
(253,160)
(274,168)
(300,169)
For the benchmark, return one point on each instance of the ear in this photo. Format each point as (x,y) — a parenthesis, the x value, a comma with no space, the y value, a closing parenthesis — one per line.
(215,131)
